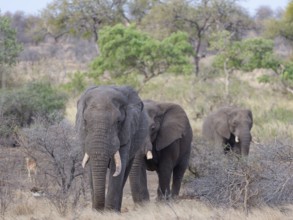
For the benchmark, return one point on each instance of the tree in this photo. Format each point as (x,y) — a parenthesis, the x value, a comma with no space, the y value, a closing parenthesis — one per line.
(126,50)
(83,18)
(198,18)
(138,9)
(264,12)
(245,55)
(9,47)
(282,27)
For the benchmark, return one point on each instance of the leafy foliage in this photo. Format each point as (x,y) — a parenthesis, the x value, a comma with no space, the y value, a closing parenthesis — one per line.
(9,47)
(287,75)
(126,50)
(258,53)
(22,105)
(283,26)
(245,55)
(77,82)
(197,18)
(82,18)
(288,72)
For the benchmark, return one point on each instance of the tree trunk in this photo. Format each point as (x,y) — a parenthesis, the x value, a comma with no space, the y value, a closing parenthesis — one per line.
(3,77)
(227,79)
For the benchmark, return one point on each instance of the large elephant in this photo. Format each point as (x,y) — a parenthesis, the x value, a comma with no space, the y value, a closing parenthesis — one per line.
(112,127)
(229,127)
(171,137)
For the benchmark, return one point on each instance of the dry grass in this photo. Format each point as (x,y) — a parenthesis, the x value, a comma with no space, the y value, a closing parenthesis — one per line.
(183,209)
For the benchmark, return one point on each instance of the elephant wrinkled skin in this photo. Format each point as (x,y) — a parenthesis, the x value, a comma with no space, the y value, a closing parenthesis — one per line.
(112,127)
(170,139)
(229,127)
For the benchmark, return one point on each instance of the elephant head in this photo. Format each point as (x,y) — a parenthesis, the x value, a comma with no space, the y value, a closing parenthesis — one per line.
(232,126)
(106,120)
(167,123)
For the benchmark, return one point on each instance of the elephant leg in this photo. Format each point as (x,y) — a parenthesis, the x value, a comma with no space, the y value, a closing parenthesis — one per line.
(164,183)
(167,160)
(178,174)
(127,170)
(184,145)
(138,180)
(115,185)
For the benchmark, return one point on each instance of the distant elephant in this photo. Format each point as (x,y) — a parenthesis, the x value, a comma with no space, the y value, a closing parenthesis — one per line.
(229,127)
(112,127)
(170,137)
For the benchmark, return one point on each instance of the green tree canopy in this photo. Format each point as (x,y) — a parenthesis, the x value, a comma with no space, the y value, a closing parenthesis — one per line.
(126,50)
(86,17)
(198,18)
(246,55)
(9,47)
(283,26)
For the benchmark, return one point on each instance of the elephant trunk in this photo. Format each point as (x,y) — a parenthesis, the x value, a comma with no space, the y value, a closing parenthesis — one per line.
(100,150)
(138,180)
(245,139)
(99,163)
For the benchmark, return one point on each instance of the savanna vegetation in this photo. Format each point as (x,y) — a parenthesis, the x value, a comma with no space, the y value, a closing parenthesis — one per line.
(201,54)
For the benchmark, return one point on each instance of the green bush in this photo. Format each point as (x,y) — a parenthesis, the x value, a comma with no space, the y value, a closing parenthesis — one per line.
(246,55)
(258,53)
(20,106)
(77,83)
(288,72)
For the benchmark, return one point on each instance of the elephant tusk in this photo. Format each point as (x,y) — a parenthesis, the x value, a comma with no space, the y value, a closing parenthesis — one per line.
(149,155)
(85,160)
(117,160)
(236,139)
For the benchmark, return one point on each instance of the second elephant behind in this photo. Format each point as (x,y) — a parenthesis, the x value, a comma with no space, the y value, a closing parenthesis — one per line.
(170,137)
(229,127)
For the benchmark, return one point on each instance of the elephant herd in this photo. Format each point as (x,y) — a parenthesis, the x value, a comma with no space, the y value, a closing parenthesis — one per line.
(119,131)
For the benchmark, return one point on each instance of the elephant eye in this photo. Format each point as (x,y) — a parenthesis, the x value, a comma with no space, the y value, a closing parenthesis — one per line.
(119,121)
(158,118)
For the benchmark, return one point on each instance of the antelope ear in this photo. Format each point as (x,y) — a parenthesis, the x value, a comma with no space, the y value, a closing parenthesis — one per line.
(173,125)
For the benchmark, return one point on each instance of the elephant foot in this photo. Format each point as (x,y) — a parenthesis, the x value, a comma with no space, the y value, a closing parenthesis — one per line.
(163,196)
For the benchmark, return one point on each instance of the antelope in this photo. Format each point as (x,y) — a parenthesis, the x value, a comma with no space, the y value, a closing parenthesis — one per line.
(31,166)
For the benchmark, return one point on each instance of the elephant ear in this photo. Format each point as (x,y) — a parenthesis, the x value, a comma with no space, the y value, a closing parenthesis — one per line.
(173,125)
(222,125)
(133,110)
(79,119)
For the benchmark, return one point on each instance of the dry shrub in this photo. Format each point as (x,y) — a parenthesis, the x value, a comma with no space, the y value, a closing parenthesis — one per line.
(58,157)
(23,209)
(10,177)
(264,178)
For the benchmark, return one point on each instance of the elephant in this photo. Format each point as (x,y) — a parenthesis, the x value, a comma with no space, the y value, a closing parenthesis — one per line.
(229,127)
(170,136)
(112,127)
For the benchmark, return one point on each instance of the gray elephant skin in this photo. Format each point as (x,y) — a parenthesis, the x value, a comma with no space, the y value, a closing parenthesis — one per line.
(112,127)
(170,138)
(229,127)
